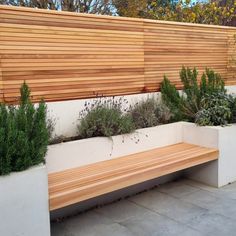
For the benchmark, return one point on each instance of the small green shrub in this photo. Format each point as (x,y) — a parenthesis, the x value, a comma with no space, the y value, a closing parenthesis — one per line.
(211,83)
(232,100)
(187,105)
(172,99)
(149,113)
(24,134)
(163,114)
(216,110)
(104,118)
(143,113)
(191,93)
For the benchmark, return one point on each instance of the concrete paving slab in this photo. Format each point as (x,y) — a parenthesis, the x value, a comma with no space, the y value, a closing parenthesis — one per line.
(155,225)
(214,224)
(177,189)
(122,210)
(185,208)
(169,206)
(224,206)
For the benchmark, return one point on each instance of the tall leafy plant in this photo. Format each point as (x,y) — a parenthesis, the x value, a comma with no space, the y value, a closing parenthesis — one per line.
(172,99)
(24,134)
(192,94)
(186,105)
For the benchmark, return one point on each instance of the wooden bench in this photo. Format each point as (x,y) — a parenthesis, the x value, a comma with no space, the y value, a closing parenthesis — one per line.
(82,183)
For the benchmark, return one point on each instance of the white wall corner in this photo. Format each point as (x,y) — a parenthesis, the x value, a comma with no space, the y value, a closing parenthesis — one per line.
(227,159)
(204,136)
(24,203)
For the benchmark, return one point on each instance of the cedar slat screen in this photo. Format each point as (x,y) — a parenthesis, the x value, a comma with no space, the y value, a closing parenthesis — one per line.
(65,55)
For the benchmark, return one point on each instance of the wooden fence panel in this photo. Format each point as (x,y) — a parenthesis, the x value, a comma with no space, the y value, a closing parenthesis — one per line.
(231,67)
(170,46)
(64,55)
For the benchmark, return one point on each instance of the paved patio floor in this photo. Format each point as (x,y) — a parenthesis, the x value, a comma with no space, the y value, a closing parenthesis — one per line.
(181,208)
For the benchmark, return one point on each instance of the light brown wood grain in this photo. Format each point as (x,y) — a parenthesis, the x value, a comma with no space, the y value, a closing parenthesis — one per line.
(63,55)
(1,81)
(78,184)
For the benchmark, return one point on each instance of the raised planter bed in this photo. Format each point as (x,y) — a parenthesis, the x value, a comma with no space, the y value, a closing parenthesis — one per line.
(24,203)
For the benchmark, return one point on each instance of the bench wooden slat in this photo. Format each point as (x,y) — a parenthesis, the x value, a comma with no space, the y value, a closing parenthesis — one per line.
(69,187)
(114,163)
(116,169)
(77,182)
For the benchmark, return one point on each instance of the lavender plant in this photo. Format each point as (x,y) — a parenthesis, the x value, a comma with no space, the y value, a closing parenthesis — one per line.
(105,117)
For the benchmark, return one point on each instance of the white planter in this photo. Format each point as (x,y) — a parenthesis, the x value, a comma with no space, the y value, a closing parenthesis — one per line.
(86,151)
(24,203)
(223,171)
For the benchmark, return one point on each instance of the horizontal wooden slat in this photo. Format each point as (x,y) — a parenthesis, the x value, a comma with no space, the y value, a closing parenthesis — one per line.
(79,184)
(64,55)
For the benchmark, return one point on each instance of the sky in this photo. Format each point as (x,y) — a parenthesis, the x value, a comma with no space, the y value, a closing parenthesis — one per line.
(194,1)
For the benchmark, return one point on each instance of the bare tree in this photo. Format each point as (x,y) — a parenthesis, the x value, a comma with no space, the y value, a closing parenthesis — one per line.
(46,4)
(87,6)
(84,6)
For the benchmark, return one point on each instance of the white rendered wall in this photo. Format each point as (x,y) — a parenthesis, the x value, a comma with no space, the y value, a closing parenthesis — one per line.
(231,89)
(203,136)
(227,160)
(24,203)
